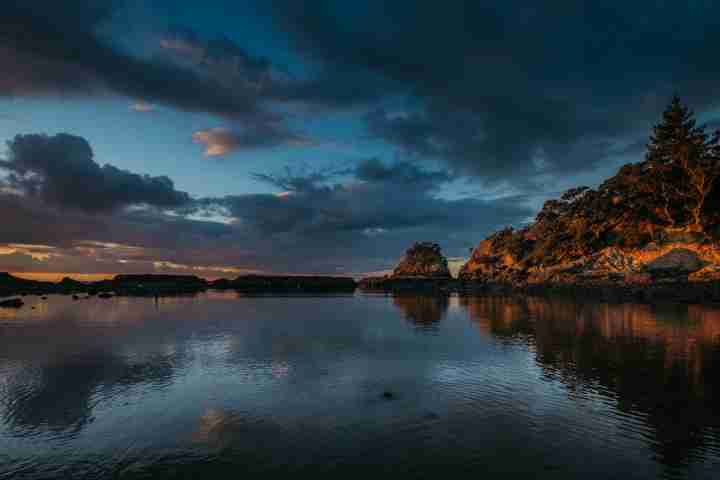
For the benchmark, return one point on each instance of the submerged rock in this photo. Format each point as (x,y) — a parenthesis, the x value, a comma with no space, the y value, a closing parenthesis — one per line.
(423,259)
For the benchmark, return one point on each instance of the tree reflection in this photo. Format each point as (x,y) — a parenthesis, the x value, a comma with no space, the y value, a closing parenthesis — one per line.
(662,362)
(424,311)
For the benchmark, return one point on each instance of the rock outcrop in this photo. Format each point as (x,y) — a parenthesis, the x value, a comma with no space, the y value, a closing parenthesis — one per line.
(11,303)
(423,268)
(655,262)
(423,260)
(655,221)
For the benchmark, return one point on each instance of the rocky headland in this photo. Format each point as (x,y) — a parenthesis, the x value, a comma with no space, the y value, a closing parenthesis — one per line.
(423,267)
(652,231)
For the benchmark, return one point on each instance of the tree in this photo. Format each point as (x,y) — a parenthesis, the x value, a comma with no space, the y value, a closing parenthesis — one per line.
(686,161)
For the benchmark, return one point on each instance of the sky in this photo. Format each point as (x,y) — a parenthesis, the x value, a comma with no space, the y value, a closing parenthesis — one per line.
(227,137)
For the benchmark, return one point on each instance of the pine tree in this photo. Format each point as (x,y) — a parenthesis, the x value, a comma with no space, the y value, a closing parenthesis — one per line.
(685,159)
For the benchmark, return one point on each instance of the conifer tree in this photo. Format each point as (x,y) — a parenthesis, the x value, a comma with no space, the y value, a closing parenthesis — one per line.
(686,161)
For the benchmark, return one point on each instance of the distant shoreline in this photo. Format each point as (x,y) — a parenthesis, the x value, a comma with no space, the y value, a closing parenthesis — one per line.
(165,285)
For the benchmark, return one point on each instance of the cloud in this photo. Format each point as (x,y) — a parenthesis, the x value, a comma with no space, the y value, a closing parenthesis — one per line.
(142,107)
(223,59)
(65,213)
(332,229)
(231,64)
(495,91)
(48,48)
(217,141)
(221,141)
(61,171)
(376,198)
(403,173)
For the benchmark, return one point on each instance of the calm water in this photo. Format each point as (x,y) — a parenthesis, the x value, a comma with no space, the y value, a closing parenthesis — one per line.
(225,385)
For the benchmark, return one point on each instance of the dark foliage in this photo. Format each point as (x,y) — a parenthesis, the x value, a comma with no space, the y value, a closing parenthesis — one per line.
(674,191)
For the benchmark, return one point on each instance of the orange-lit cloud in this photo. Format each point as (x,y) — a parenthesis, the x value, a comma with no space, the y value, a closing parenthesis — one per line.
(57,276)
(221,141)
(217,141)
(36,252)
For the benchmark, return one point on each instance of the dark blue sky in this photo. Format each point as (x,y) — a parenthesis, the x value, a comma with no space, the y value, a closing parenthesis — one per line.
(224,136)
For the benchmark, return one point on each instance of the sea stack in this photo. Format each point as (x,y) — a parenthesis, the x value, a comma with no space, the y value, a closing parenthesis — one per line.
(422,268)
(423,260)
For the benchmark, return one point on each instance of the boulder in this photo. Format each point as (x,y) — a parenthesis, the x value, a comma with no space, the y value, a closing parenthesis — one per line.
(677,261)
(11,303)
(423,259)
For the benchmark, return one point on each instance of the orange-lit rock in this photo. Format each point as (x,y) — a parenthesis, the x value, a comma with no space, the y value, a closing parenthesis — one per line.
(424,259)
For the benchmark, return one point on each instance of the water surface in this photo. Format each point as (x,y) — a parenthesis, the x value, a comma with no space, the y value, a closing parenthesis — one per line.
(414,387)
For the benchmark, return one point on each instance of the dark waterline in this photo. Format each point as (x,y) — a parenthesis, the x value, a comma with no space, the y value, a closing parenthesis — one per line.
(223,385)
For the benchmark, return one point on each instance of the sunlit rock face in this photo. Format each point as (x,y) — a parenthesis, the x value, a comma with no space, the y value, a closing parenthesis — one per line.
(494,259)
(423,259)
(678,260)
(653,221)
(653,261)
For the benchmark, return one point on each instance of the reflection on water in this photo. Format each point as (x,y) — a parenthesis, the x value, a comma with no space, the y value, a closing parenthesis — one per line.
(223,384)
(658,361)
(425,312)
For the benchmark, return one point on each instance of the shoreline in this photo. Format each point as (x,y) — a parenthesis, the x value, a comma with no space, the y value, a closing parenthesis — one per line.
(667,290)
(171,285)
(680,291)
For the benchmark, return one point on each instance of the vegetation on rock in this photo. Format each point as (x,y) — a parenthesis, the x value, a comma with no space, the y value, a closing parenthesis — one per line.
(671,197)
(423,259)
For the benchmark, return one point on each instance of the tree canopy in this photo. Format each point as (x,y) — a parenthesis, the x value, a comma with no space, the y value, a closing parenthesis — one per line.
(674,190)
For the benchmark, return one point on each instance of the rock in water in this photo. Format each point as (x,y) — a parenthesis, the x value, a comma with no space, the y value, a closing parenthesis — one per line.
(12,303)
(423,259)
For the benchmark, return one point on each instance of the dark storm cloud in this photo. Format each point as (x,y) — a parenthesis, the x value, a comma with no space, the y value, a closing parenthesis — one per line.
(117,242)
(335,87)
(402,173)
(61,171)
(496,86)
(232,65)
(49,47)
(351,227)
(226,61)
(376,199)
